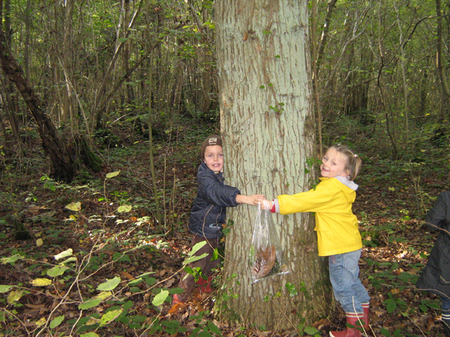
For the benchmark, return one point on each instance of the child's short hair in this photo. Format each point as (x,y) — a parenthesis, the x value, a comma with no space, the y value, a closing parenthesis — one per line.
(210,141)
(353,160)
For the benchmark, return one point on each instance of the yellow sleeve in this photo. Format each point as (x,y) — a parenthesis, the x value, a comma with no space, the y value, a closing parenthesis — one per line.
(321,199)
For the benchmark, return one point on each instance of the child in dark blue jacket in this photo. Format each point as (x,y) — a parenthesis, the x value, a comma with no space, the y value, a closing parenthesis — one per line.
(436,275)
(208,213)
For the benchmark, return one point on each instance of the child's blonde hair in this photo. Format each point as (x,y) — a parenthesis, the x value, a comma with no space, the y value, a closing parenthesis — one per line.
(353,160)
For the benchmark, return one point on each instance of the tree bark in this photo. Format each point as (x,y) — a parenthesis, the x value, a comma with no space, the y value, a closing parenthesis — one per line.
(61,159)
(267,124)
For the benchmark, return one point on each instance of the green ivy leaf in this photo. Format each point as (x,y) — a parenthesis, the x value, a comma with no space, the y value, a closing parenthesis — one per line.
(109,284)
(311,330)
(41,282)
(194,258)
(74,206)
(70,259)
(63,254)
(56,321)
(291,288)
(41,321)
(5,288)
(110,316)
(390,305)
(93,302)
(12,259)
(89,334)
(124,208)
(171,324)
(385,332)
(160,298)
(112,174)
(14,296)
(213,328)
(135,282)
(57,270)
(197,247)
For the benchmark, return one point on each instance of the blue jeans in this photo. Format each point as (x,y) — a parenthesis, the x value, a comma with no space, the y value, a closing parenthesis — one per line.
(347,287)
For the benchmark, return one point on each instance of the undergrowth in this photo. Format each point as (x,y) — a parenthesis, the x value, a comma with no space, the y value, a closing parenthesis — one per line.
(97,262)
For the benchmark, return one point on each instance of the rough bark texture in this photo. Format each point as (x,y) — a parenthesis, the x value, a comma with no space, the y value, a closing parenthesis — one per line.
(62,162)
(268,131)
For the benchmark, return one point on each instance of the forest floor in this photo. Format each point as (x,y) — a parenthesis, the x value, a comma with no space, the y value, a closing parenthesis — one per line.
(116,259)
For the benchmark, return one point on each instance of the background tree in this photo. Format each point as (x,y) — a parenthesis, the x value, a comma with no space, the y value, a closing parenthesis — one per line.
(61,158)
(90,66)
(379,69)
(268,127)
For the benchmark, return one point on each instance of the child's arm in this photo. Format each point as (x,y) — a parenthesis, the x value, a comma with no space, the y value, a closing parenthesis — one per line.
(249,199)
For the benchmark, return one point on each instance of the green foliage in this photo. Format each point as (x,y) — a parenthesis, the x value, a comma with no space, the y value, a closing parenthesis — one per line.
(312,165)
(110,293)
(310,331)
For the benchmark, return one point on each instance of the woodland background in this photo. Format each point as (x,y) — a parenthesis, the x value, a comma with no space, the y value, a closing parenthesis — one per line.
(129,89)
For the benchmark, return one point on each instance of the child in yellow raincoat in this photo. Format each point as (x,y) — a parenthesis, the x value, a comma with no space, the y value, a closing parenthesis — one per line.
(337,231)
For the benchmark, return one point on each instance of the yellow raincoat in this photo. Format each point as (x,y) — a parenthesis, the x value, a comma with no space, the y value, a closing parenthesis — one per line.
(336,225)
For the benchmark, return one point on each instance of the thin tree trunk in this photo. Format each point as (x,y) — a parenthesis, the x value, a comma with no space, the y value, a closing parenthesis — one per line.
(405,109)
(61,159)
(445,91)
(324,36)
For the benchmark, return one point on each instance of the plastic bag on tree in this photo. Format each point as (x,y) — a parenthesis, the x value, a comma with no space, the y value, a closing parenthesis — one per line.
(266,256)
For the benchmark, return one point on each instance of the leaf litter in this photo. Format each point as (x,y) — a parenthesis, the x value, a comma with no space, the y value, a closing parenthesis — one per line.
(390,210)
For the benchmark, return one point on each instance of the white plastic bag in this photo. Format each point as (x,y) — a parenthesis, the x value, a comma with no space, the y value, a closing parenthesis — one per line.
(266,257)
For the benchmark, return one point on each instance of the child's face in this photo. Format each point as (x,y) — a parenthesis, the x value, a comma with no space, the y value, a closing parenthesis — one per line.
(333,164)
(214,157)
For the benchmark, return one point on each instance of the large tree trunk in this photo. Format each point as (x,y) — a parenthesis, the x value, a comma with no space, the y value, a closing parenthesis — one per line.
(61,159)
(268,131)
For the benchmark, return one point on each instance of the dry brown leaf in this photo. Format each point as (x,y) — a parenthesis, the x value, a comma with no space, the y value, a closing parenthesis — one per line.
(126,275)
(177,308)
(264,261)
(321,323)
(171,282)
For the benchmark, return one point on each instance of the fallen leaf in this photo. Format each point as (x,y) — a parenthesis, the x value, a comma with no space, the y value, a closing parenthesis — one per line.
(41,282)
(127,275)
(264,261)
(430,323)
(177,308)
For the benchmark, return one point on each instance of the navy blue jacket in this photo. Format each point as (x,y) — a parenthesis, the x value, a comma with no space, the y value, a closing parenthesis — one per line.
(436,275)
(208,211)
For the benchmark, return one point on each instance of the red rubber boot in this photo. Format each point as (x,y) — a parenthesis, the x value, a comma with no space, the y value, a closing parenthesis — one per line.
(353,320)
(366,315)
